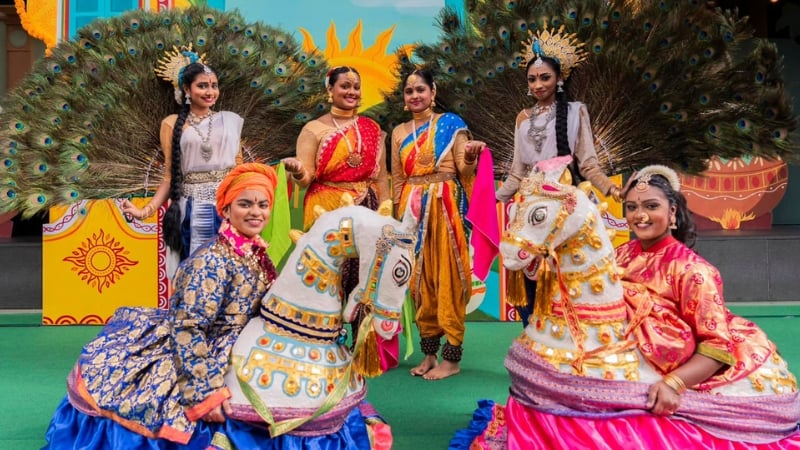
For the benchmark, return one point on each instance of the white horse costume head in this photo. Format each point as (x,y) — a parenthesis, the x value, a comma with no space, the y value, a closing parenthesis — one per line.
(557,232)
(550,213)
(290,367)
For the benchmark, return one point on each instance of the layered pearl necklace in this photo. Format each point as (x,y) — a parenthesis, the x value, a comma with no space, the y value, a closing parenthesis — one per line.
(205,141)
(423,159)
(354,157)
(538,133)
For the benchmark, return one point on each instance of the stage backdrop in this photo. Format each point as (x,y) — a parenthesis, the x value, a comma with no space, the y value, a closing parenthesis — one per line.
(94,260)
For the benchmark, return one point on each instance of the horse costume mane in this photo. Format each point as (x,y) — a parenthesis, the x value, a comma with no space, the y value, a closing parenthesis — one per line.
(291,368)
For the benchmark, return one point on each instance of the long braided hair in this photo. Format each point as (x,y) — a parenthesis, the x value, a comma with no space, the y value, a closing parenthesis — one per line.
(172,218)
(562,112)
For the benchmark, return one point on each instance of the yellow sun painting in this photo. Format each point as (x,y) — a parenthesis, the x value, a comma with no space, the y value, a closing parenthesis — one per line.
(373,63)
(100,261)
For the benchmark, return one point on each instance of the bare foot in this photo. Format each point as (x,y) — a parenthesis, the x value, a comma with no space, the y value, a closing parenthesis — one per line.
(443,370)
(425,366)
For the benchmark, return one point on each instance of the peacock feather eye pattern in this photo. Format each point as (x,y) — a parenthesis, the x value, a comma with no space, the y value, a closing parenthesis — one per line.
(572,14)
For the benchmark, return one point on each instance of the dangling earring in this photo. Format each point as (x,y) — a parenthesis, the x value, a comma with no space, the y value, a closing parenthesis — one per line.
(405,107)
(330,97)
(433,103)
(530,94)
(560,85)
(188,99)
(672,225)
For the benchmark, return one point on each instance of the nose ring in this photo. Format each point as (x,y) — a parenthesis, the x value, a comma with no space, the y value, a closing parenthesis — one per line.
(644,218)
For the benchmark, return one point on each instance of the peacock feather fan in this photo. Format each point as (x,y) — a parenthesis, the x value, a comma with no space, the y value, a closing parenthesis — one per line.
(85,122)
(665,82)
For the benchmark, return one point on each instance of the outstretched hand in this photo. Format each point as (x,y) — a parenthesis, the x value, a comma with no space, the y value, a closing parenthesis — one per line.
(129,208)
(293,165)
(472,149)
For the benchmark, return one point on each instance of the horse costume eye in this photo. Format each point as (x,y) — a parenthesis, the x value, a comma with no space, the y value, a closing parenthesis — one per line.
(538,215)
(402,271)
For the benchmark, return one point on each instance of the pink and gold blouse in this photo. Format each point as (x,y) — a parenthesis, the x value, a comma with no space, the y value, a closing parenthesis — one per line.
(688,313)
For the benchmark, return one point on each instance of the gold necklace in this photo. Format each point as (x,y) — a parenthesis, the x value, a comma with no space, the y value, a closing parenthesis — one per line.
(342,113)
(354,158)
(423,159)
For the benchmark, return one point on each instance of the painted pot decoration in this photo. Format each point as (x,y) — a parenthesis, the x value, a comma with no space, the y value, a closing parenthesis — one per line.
(736,193)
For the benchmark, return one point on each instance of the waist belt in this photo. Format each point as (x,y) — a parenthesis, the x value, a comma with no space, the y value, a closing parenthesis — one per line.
(436,177)
(211,176)
(203,185)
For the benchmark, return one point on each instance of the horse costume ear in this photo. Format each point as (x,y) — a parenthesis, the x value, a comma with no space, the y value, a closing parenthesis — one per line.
(556,169)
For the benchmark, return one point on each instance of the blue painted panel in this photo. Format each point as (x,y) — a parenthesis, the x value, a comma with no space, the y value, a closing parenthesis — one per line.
(82,12)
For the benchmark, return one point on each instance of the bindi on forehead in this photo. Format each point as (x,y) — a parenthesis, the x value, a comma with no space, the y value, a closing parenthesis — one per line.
(348,79)
(203,78)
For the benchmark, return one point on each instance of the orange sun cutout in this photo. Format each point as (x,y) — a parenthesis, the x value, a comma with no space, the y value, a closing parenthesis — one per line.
(374,64)
(100,261)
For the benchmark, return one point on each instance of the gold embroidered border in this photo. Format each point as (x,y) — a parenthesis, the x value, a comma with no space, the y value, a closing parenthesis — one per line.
(314,272)
(715,354)
(627,361)
(607,313)
(606,331)
(314,320)
(296,373)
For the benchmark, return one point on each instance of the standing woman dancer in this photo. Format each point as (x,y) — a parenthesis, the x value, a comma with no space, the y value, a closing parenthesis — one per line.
(342,152)
(433,165)
(200,147)
(553,126)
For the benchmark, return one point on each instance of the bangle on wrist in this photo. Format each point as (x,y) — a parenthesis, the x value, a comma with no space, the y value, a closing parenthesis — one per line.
(147,211)
(675,383)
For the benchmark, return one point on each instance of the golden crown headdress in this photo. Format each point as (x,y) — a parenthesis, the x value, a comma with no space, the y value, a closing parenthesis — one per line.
(171,65)
(563,47)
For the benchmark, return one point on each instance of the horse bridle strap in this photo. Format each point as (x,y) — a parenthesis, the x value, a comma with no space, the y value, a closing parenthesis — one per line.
(388,239)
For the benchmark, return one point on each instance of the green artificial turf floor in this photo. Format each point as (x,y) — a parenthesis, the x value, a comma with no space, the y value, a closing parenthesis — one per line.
(423,414)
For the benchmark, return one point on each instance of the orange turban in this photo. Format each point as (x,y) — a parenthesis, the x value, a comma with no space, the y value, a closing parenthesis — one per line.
(255,176)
